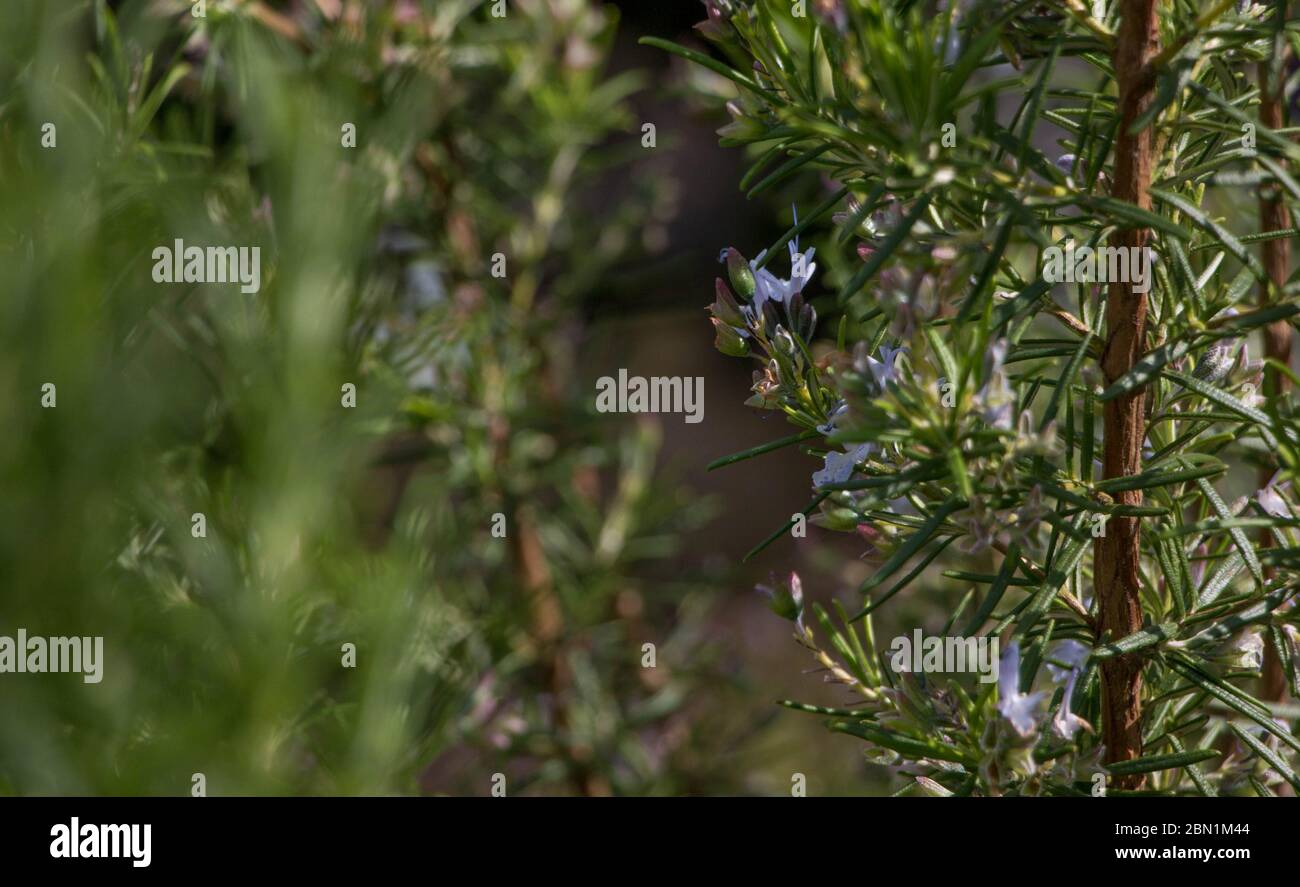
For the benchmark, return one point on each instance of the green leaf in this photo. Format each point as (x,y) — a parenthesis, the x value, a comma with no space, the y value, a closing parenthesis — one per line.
(907,746)
(1154,763)
(996,590)
(1030,115)
(1134,215)
(713,65)
(1274,760)
(1220,397)
(1158,477)
(1231,697)
(1243,323)
(789,168)
(1066,380)
(761,163)
(1194,771)
(1239,539)
(1170,555)
(1061,567)
(1223,235)
(1219,581)
(807,222)
(822,710)
(989,267)
(947,363)
(1260,788)
(1026,298)
(909,547)
(902,583)
(1226,627)
(817,500)
(1262,133)
(885,250)
(1138,640)
(761,449)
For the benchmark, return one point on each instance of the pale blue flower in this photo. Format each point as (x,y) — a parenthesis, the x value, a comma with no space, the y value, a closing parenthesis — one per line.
(837,412)
(1269,499)
(996,399)
(1245,652)
(884,371)
(769,287)
(1021,709)
(1071,654)
(1065,724)
(839,466)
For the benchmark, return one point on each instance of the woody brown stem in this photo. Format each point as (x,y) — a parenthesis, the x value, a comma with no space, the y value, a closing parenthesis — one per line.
(1116,555)
(1273,216)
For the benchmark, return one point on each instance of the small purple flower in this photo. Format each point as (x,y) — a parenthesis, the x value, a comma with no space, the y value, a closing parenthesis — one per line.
(839,466)
(1021,709)
(980,530)
(1071,653)
(996,399)
(1028,515)
(1245,652)
(837,412)
(1269,499)
(833,13)
(718,25)
(883,371)
(769,287)
(1065,724)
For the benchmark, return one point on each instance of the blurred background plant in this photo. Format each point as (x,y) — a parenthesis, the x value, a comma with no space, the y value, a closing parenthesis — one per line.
(481,143)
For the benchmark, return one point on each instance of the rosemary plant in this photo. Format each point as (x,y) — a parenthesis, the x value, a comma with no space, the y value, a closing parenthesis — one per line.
(1036,321)
(353,518)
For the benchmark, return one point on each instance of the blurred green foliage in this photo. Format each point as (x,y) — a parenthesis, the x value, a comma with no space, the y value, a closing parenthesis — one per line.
(326,525)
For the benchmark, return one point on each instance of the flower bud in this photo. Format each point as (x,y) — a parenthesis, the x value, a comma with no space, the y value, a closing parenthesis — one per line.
(717,26)
(1245,652)
(807,323)
(785,598)
(792,309)
(729,340)
(742,276)
(784,342)
(725,308)
(1216,363)
(834,517)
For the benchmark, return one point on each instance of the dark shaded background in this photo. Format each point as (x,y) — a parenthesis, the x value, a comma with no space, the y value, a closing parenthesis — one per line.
(652,321)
